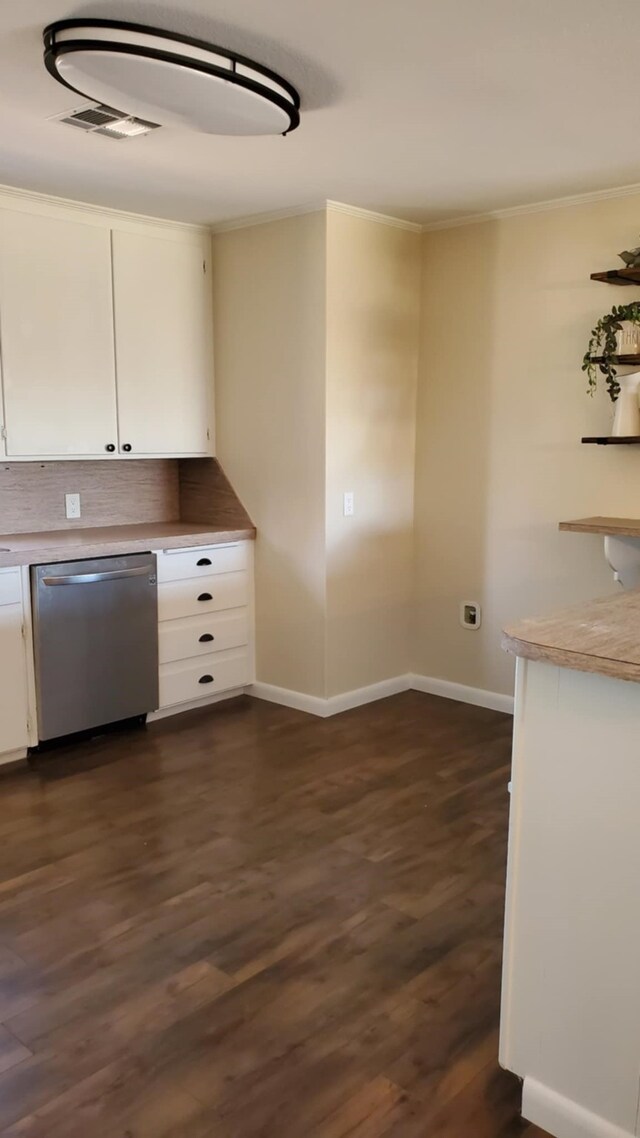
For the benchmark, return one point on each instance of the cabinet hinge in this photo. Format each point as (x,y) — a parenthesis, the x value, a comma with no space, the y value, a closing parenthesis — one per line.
(3,432)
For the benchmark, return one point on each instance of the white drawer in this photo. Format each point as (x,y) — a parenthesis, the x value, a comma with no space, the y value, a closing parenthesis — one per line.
(201,635)
(202,595)
(186,680)
(10,587)
(176,566)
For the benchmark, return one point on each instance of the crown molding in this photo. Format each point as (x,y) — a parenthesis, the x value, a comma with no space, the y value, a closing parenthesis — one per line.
(14,197)
(535,207)
(371,215)
(252,219)
(316,207)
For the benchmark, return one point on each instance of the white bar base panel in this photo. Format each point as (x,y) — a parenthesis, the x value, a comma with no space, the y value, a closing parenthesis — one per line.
(562,1117)
(316,705)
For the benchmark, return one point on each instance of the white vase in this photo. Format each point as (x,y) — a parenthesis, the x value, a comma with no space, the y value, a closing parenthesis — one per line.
(628,340)
(626,420)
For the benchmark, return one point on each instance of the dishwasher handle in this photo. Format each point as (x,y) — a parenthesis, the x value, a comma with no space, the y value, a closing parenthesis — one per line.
(95,578)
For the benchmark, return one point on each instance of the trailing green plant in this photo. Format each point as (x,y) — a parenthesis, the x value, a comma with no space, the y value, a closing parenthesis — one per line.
(603,344)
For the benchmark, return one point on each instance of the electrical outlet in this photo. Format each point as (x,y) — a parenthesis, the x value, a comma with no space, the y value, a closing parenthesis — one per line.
(348,504)
(72,505)
(470,615)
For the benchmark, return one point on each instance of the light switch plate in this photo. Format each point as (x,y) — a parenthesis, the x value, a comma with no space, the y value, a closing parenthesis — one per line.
(72,505)
(348,504)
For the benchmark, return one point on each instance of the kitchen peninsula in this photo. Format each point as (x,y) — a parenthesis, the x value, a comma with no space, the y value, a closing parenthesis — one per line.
(571,980)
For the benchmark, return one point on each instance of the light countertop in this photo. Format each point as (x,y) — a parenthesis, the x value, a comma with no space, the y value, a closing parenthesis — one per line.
(598,636)
(106,541)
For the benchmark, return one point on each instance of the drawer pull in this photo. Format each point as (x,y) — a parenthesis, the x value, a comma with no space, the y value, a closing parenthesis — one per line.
(205,636)
(205,597)
(204,561)
(205,679)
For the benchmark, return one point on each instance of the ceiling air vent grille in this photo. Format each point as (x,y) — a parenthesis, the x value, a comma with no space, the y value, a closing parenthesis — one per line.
(99,119)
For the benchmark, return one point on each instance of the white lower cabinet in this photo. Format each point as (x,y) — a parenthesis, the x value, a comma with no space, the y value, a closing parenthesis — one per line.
(205,631)
(14,732)
(205,636)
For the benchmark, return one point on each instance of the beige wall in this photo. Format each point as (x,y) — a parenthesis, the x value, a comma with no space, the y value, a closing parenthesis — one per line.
(269,314)
(506,310)
(316,340)
(373,281)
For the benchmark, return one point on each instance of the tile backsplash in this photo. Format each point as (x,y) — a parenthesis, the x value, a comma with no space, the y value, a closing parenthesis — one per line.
(32,494)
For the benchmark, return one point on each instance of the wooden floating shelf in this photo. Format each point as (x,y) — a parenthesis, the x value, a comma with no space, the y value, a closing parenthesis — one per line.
(613,440)
(618,276)
(634,359)
(620,527)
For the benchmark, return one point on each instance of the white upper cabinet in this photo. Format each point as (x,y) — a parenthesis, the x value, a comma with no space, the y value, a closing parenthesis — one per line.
(56,327)
(163,338)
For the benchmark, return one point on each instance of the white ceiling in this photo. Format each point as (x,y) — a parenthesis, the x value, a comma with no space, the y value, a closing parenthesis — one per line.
(423,109)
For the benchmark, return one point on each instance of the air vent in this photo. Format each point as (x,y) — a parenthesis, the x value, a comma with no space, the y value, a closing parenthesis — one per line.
(96,118)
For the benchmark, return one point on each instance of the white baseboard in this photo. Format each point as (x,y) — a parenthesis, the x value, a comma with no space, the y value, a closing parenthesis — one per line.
(562,1117)
(286,697)
(494,700)
(370,694)
(315,705)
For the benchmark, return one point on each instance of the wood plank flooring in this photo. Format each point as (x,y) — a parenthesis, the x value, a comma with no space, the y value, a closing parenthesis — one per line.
(246,922)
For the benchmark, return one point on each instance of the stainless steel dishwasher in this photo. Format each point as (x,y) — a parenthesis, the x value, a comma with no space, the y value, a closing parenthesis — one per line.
(95,626)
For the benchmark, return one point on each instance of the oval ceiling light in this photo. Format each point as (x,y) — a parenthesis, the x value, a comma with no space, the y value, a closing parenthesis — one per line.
(168,78)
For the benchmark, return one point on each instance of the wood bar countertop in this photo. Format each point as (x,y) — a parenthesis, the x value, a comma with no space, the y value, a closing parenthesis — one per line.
(107,541)
(617,527)
(598,636)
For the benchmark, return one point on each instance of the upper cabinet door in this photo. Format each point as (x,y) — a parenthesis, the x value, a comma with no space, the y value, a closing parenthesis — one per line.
(56,325)
(163,321)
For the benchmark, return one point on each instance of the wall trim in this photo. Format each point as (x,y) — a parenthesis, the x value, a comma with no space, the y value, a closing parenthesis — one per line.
(372,215)
(316,705)
(370,694)
(13,196)
(534,207)
(327,206)
(287,697)
(447,689)
(563,1117)
(252,219)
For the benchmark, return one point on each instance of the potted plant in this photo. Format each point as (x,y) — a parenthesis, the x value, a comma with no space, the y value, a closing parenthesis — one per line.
(603,355)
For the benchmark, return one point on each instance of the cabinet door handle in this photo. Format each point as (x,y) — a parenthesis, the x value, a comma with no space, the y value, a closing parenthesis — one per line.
(205,680)
(110,447)
(204,561)
(126,446)
(205,597)
(205,637)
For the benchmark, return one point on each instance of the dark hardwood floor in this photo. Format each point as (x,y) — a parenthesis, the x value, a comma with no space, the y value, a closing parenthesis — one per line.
(250,922)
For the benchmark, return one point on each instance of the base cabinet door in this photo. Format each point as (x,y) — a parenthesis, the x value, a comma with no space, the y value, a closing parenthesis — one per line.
(163,338)
(57,337)
(13,682)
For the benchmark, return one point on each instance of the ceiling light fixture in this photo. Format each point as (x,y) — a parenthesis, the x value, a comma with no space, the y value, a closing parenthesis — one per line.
(170,79)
